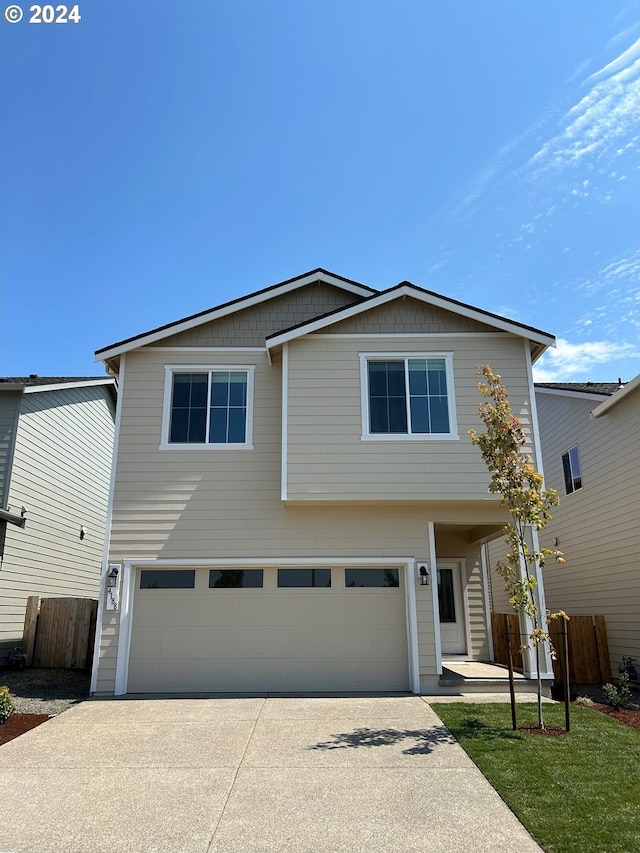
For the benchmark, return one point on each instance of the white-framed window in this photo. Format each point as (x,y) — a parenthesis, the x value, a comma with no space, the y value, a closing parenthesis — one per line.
(408,396)
(571,470)
(208,407)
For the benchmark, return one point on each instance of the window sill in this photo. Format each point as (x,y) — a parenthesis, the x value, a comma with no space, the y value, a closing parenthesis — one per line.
(405,437)
(205,447)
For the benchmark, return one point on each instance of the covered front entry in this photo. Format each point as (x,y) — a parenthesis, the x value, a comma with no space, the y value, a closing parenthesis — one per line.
(451,609)
(268,628)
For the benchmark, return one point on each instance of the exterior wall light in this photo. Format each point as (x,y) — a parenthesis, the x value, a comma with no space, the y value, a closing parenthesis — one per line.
(424,576)
(112,577)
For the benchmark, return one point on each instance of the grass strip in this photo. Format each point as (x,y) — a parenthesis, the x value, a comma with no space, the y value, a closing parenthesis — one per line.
(575,792)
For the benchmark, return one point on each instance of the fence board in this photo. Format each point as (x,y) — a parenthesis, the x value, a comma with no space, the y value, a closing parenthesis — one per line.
(588,648)
(61,634)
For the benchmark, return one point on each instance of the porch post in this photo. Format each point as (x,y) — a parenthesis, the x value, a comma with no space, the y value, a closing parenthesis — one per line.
(433,568)
(526,625)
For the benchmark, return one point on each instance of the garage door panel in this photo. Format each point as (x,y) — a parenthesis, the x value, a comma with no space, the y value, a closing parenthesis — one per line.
(270,639)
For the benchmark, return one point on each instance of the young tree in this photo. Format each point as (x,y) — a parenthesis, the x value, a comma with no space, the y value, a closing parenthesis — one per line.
(515,478)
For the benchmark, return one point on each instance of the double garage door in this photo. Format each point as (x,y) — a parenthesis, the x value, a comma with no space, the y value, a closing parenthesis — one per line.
(260,629)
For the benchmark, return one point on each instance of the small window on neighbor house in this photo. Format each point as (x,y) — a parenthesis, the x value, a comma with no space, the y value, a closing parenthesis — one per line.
(304,577)
(235,579)
(371,577)
(167,579)
(571,469)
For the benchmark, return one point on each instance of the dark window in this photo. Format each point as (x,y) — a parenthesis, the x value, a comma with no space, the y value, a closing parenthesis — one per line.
(304,577)
(408,396)
(571,470)
(209,408)
(167,579)
(371,577)
(235,578)
(446,599)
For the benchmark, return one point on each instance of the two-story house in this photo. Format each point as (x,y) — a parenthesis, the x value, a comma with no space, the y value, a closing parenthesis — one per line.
(296,503)
(56,444)
(590,436)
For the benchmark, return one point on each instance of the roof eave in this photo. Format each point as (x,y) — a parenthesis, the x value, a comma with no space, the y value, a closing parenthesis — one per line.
(614,399)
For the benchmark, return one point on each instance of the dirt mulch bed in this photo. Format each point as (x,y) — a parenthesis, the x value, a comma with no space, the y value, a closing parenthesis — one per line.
(547,731)
(627,716)
(18,724)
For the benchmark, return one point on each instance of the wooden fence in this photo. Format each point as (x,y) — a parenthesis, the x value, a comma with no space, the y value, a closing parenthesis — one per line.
(588,648)
(59,632)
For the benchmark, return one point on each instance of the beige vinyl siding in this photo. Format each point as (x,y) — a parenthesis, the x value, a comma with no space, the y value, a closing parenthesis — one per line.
(9,408)
(327,458)
(250,327)
(61,476)
(597,527)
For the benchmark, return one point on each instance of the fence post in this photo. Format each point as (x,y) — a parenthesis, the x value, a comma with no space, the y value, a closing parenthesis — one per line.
(30,627)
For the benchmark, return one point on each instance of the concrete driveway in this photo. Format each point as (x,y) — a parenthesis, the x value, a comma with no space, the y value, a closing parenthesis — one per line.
(248,774)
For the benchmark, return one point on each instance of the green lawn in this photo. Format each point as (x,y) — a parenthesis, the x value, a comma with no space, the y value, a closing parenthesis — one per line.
(576,792)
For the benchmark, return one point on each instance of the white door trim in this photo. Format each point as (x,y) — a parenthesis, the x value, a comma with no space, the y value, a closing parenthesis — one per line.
(460,573)
(407,564)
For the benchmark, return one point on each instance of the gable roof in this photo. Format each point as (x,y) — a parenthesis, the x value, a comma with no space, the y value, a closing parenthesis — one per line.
(34,383)
(406,288)
(317,275)
(601,388)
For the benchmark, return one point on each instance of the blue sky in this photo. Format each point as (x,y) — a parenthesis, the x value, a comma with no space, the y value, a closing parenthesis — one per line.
(160,158)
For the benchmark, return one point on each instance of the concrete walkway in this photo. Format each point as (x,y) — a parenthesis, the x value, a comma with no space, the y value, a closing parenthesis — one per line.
(301,775)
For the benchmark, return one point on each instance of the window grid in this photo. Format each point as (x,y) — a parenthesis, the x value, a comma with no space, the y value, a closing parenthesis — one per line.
(409,396)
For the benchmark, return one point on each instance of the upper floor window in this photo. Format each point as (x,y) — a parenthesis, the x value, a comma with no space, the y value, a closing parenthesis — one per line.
(407,397)
(571,469)
(208,407)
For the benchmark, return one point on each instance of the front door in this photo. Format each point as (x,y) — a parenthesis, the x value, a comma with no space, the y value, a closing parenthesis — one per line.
(450,601)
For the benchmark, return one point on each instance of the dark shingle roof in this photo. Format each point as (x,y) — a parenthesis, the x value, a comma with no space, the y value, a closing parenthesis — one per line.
(34,379)
(583,387)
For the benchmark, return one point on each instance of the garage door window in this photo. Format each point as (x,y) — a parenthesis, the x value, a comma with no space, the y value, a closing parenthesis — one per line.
(171,579)
(371,577)
(304,577)
(235,579)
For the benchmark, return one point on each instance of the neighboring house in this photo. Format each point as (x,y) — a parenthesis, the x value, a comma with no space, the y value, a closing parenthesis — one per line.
(56,444)
(590,435)
(297,505)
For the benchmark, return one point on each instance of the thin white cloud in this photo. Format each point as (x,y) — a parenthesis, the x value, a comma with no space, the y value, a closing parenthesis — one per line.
(609,111)
(569,362)
(623,269)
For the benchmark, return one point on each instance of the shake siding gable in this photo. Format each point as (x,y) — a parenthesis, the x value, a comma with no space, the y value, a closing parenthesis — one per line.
(60,474)
(250,327)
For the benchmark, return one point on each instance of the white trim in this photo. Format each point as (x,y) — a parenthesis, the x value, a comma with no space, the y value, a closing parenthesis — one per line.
(462,579)
(124,634)
(61,386)
(484,569)
(170,370)
(365,357)
(534,411)
(433,570)
(208,349)
(412,625)
(128,595)
(237,305)
(429,298)
(542,604)
(615,398)
(578,395)
(285,423)
(107,530)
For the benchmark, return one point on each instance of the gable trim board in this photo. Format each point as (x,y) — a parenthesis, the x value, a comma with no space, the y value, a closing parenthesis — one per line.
(63,386)
(543,339)
(130,567)
(231,307)
(578,395)
(615,398)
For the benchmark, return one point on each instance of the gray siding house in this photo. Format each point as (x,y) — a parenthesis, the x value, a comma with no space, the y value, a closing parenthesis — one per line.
(56,445)
(297,504)
(590,435)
